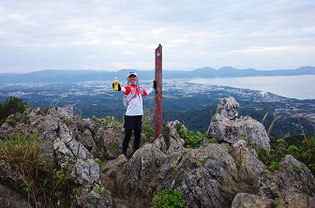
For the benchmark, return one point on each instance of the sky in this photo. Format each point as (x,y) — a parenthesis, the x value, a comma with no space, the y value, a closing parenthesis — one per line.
(119,34)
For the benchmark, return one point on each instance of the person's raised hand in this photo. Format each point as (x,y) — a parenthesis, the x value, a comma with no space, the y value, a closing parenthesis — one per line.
(119,87)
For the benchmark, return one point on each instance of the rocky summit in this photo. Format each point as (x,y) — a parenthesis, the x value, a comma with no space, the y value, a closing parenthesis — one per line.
(86,155)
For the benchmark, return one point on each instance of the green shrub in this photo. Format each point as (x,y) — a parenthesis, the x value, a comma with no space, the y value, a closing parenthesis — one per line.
(204,160)
(106,155)
(11,106)
(192,139)
(274,166)
(110,119)
(293,149)
(175,166)
(45,110)
(21,151)
(297,168)
(278,202)
(99,162)
(213,141)
(100,190)
(305,153)
(169,199)
(238,163)
(148,128)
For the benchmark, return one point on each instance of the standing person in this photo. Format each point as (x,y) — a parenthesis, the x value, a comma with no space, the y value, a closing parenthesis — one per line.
(133,102)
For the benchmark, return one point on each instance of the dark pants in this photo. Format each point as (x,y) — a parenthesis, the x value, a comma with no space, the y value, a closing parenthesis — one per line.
(132,123)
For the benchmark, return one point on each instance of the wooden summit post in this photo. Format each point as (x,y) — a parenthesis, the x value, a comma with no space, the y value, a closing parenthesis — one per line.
(158,92)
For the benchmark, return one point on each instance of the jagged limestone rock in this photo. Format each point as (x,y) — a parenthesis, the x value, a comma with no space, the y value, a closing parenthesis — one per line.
(65,113)
(225,127)
(95,198)
(115,177)
(209,176)
(295,200)
(113,139)
(292,177)
(12,199)
(245,200)
(58,131)
(227,109)
(85,172)
(298,200)
(145,162)
(68,151)
(11,192)
(9,177)
(200,174)
(247,162)
(174,142)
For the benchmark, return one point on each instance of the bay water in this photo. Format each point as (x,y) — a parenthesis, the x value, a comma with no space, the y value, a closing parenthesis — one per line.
(300,87)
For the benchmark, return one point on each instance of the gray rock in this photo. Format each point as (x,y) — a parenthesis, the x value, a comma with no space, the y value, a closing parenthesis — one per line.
(112,137)
(245,200)
(247,162)
(65,113)
(57,131)
(9,177)
(31,112)
(68,151)
(11,192)
(293,177)
(145,162)
(227,109)
(95,199)
(85,172)
(12,199)
(86,138)
(205,175)
(174,142)
(298,200)
(225,127)
(116,179)
(210,176)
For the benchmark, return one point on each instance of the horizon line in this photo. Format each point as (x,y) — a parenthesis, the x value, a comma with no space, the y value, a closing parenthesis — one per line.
(187,70)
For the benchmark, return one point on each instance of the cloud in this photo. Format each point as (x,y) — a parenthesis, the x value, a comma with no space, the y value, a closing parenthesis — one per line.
(112,34)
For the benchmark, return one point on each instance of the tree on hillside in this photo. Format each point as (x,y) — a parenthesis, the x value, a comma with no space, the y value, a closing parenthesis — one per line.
(11,106)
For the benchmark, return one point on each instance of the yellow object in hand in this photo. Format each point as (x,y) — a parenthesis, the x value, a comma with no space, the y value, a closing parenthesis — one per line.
(116,84)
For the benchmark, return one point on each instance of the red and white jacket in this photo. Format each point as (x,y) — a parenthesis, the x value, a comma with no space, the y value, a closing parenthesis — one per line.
(133,95)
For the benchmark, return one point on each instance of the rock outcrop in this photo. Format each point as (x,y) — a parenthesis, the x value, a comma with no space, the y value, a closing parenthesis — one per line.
(293,177)
(207,177)
(247,162)
(174,142)
(226,127)
(58,138)
(228,174)
(11,192)
(245,200)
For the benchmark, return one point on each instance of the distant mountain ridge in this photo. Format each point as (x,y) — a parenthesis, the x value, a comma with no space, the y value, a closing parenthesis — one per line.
(62,76)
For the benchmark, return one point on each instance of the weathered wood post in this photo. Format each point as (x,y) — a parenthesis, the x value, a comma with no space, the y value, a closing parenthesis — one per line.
(158,92)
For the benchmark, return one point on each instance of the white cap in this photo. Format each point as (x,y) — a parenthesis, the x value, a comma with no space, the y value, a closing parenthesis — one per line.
(132,73)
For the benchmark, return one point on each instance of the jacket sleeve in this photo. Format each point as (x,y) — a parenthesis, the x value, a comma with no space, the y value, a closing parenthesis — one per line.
(147,92)
(126,90)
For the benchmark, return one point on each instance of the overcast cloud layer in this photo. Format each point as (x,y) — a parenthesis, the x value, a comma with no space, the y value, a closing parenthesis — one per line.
(116,34)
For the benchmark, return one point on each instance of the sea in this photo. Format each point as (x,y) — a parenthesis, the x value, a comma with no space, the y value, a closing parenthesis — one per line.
(300,87)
